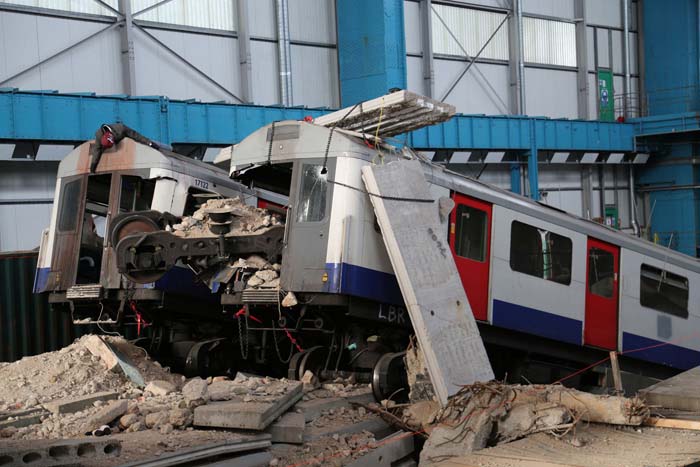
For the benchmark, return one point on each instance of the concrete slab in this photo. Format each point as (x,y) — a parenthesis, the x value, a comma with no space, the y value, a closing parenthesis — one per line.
(289,428)
(430,284)
(391,451)
(99,348)
(106,415)
(50,453)
(375,425)
(76,404)
(681,392)
(22,420)
(315,407)
(252,415)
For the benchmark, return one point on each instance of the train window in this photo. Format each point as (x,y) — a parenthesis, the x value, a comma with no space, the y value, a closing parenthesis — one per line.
(663,291)
(540,253)
(601,272)
(70,204)
(136,194)
(470,233)
(312,194)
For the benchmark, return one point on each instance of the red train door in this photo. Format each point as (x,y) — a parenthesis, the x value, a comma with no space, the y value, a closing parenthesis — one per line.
(470,238)
(602,294)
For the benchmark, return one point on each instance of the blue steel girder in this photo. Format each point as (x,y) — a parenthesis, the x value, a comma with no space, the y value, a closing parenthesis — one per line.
(659,125)
(53,117)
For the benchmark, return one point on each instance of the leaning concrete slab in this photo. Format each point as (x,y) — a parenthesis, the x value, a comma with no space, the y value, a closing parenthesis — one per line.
(99,348)
(76,404)
(50,453)
(20,421)
(427,275)
(681,392)
(289,428)
(253,415)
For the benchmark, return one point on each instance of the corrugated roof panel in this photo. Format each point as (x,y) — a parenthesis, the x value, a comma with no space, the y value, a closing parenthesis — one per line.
(472,28)
(549,42)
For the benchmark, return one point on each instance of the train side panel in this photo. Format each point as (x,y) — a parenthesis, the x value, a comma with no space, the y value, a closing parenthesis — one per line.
(521,298)
(656,310)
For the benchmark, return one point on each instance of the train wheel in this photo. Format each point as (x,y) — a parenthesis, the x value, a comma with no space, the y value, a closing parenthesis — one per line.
(311,359)
(389,380)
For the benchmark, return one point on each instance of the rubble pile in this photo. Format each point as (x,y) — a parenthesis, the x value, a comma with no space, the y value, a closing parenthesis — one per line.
(245,219)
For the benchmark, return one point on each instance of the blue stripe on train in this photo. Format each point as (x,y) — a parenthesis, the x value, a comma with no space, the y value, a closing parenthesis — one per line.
(363,282)
(532,321)
(182,281)
(41,278)
(666,354)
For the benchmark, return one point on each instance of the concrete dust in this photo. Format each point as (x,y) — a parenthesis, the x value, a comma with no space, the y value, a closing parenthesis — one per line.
(336,450)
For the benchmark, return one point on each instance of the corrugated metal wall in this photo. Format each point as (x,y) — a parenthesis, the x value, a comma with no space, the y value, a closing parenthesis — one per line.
(472,28)
(27,325)
(549,42)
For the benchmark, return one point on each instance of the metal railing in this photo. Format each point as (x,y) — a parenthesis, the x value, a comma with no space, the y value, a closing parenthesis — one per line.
(657,102)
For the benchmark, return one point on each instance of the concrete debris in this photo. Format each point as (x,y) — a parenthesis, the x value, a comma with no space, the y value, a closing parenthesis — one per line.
(245,219)
(289,428)
(58,452)
(76,404)
(196,391)
(97,346)
(160,388)
(106,415)
(420,387)
(289,300)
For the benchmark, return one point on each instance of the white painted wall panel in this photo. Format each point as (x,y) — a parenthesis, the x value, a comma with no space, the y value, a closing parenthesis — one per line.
(76,6)
(618,64)
(604,12)
(262,18)
(24,233)
(549,42)
(634,52)
(414,75)
(315,76)
(94,65)
(553,8)
(473,94)
(412,27)
(603,48)
(265,73)
(312,21)
(215,55)
(590,33)
(212,14)
(472,28)
(551,93)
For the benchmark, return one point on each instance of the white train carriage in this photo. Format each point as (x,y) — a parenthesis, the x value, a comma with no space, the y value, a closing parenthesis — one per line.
(527,268)
(76,260)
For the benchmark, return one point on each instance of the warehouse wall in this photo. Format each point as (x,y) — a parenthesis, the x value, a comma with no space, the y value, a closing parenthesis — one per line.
(550,54)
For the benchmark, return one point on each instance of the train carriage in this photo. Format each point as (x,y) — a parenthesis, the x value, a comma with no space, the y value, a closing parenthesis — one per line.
(543,284)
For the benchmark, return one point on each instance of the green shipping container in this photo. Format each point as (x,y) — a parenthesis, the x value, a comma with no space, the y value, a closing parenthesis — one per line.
(27,324)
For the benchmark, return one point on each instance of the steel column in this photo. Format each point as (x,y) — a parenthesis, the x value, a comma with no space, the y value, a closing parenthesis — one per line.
(515,179)
(532,160)
(426,21)
(244,56)
(582,58)
(127,48)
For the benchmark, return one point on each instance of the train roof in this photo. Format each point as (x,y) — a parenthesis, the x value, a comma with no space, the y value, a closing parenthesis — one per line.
(295,137)
(455,181)
(130,155)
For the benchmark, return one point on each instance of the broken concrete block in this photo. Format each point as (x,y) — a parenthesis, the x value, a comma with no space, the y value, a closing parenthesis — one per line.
(54,453)
(160,387)
(310,381)
(196,389)
(156,419)
(128,420)
(390,452)
(76,404)
(289,428)
(106,415)
(266,275)
(22,421)
(253,415)
(314,408)
(99,348)
(180,418)
(226,390)
(375,425)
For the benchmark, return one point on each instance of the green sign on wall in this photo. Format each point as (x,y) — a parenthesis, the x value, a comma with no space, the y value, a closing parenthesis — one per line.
(606,101)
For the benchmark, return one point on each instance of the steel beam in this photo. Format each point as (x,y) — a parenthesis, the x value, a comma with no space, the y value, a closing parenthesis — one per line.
(72,118)
(127,49)
(244,56)
(426,23)
(582,58)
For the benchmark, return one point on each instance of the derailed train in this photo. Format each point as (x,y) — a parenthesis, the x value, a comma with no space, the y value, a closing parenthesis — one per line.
(550,290)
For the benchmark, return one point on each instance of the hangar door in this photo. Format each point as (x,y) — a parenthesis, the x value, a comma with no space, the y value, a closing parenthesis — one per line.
(602,294)
(470,238)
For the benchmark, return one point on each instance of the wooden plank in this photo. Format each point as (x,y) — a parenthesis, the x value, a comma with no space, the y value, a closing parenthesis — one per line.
(430,284)
(617,378)
(673,423)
